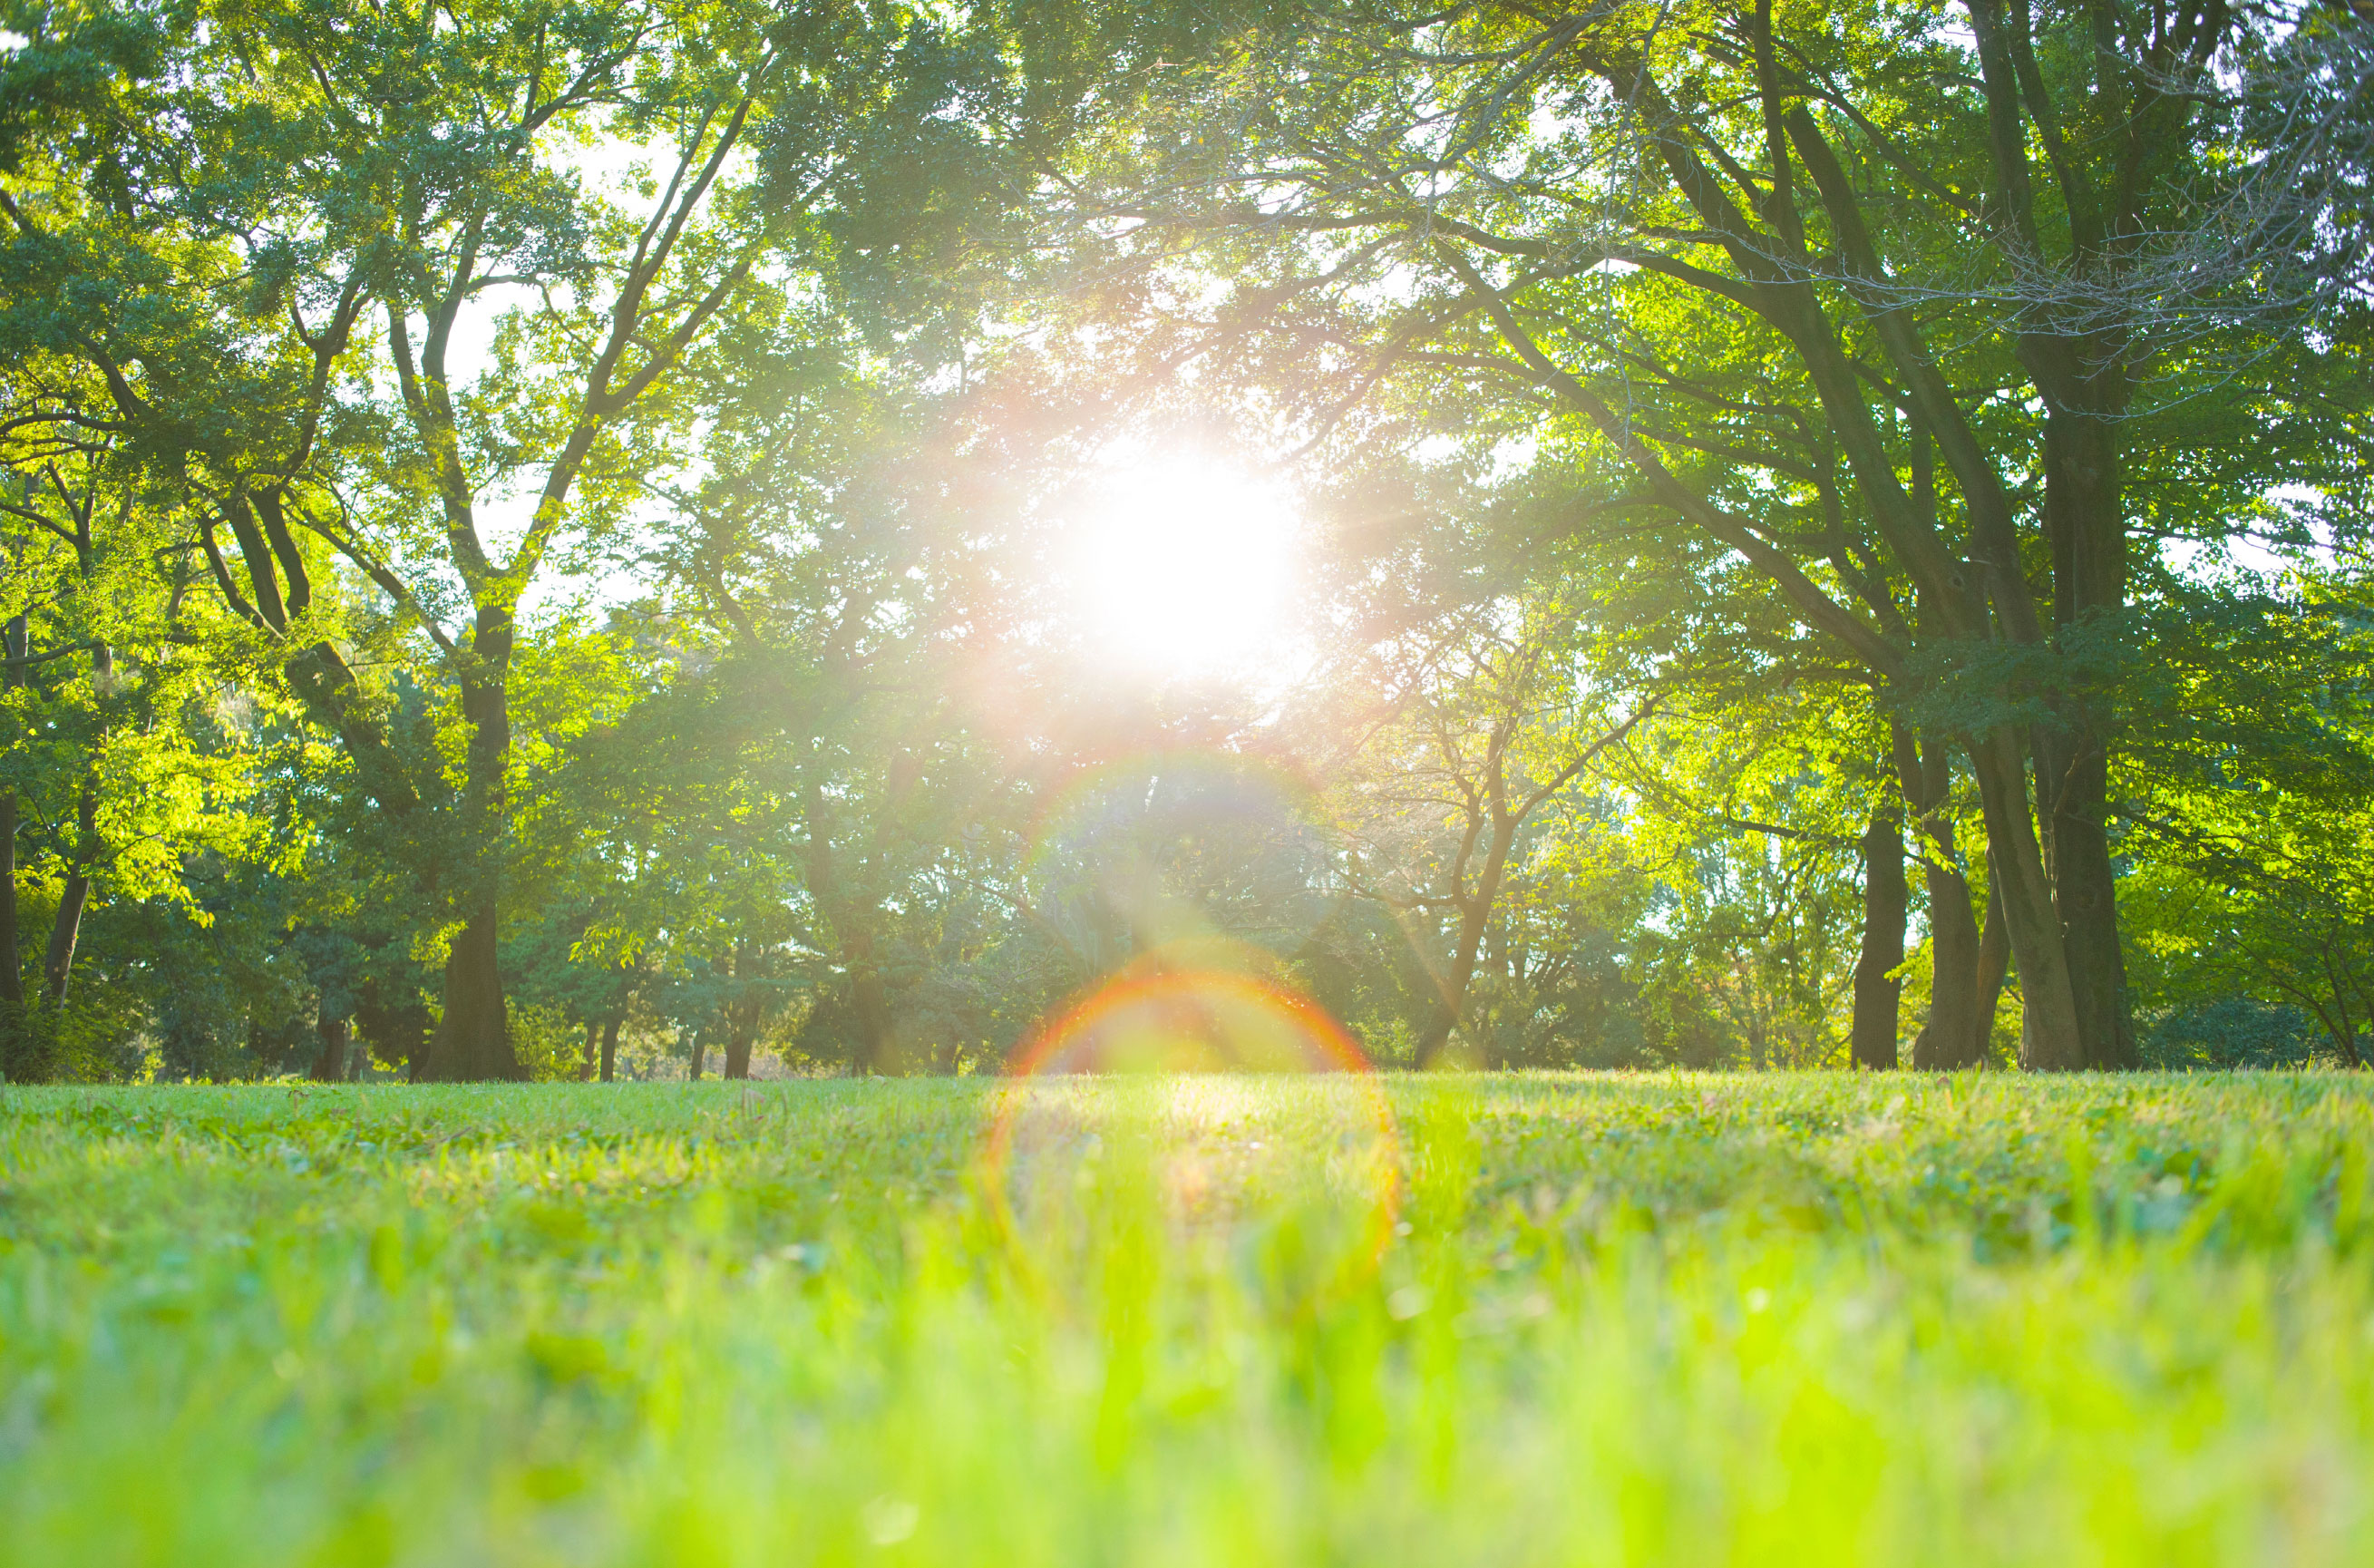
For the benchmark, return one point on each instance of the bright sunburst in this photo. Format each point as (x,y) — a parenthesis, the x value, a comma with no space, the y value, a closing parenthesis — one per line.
(1185,564)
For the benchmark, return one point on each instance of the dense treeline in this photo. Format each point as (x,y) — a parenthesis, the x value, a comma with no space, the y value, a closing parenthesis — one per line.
(656,536)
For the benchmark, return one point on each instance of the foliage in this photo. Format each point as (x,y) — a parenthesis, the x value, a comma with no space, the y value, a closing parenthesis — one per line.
(539,528)
(2231,1032)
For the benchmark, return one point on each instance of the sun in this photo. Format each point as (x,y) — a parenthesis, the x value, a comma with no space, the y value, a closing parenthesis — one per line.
(1184,566)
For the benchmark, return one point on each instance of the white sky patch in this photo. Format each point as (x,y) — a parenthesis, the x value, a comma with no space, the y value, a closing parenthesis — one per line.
(612,170)
(2206,558)
(2202,559)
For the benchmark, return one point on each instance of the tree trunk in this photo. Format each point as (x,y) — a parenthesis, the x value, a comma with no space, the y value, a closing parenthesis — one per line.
(57,964)
(700,1056)
(329,1061)
(609,1048)
(2085,890)
(2084,374)
(1451,996)
(2050,1039)
(1878,990)
(1950,1037)
(473,1043)
(396,1032)
(745,1013)
(2355,1057)
(12,977)
(869,999)
(1994,965)
(2085,526)
(1475,914)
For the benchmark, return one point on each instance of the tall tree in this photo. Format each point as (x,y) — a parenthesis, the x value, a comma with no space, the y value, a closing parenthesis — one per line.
(280,236)
(1778,264)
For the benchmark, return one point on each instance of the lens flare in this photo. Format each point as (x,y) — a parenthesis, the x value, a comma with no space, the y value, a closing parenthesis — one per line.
(1121,853)
(1254,1106)
(1195,1021)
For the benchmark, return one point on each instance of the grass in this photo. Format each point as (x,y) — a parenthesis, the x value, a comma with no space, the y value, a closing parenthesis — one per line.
(1195,1321)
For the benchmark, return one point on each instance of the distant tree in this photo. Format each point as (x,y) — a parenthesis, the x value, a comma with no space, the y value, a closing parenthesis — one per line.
(130,739)
(1482,723)
(2246,807)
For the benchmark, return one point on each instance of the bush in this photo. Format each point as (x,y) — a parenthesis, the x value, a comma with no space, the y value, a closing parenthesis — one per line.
(548,1047)
(2231,1032)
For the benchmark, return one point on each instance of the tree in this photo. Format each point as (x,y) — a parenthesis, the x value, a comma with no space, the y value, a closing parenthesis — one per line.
(2250,821)
(129,747)
(273,235)
(1778,264)
(1486,720)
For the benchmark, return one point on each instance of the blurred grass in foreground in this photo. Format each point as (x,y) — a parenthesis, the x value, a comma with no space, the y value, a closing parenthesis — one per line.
(1192,1320)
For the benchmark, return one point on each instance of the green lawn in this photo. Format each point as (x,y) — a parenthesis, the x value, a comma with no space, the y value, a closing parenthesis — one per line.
(1196,1321)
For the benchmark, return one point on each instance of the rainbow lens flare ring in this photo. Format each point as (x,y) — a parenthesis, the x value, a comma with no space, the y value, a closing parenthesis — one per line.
(1211,1048)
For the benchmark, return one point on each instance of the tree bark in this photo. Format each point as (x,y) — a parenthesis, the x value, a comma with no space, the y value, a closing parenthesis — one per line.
(473,1040)
(869,1000)
(1878,990)
(65,934)
(1475,916)
(1994,966)
(12,977)
(2084,524)
(743,1014)
(1451,989)
(1951,1037)
(609,1048)
(473,1043)
(329,1061)
(700,1058)
(2086,890)
(2050,1038)
(2340,1027)
(395,1032)
(740,1030)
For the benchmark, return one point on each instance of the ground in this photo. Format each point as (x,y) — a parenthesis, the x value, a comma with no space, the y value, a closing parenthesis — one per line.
(1202,1320)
